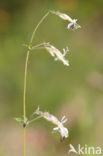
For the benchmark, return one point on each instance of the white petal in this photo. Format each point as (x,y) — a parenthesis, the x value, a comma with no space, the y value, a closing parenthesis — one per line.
(64,121)
(66,62)
(56,129)
(63,118)
(64,132)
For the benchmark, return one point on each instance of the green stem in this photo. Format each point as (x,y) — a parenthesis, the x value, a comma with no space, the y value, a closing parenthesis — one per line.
(34,119)
(38,45)
(33,34)
(24,101)
(25,79)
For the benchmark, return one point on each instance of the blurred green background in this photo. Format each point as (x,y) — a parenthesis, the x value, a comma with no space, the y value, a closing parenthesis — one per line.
(75,91)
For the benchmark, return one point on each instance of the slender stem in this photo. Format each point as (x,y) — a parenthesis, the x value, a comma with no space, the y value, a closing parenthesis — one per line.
(24,142)
(25,78)
(33,34)
(38,48)
(34,119)
(24,100)
(38,45)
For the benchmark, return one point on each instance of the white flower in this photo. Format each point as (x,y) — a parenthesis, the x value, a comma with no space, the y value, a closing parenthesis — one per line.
(72,25)
(61,129)
(51,118)
(56,53)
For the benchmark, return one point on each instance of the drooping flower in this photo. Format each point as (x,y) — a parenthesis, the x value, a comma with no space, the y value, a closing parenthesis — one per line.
(56,53)
(51,118)
(73,25)
(73,22)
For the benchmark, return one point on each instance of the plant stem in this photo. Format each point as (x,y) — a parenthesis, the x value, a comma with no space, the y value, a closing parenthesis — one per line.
(33,34)
(24,142)
(38,45)
(25,79)
(34,119)
(24,101)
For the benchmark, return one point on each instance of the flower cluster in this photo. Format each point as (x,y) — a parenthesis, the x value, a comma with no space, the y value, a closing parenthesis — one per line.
(51,118)
(58,55)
